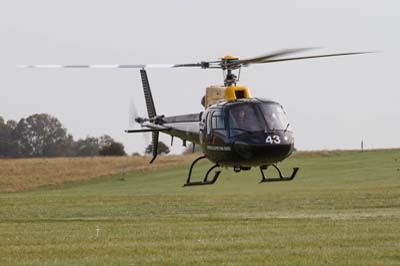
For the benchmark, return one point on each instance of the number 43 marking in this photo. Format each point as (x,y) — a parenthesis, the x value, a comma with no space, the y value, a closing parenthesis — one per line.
(275,139)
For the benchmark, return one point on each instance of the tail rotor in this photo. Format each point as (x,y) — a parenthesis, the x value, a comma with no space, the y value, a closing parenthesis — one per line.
(136,120)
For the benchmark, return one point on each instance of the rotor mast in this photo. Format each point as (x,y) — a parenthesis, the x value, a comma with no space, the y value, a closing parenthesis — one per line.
(227,66)
(230,78)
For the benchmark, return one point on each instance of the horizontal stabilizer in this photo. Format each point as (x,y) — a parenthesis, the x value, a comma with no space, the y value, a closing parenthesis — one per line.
(183,118)
(146,130)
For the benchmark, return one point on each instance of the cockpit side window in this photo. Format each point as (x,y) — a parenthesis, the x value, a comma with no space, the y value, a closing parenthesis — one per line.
(218,123)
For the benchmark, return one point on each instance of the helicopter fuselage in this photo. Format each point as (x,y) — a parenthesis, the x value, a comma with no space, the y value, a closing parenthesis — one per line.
(245,133)
(240,134)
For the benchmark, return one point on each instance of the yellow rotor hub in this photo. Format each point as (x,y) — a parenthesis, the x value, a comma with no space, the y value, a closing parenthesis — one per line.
(230,57)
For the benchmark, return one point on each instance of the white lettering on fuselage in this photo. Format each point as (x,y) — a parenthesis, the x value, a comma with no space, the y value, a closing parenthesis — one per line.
(274,139)
(219,148)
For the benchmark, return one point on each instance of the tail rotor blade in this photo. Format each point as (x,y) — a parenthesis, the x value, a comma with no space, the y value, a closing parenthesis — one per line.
(146,137)
(133,114)
(134,120)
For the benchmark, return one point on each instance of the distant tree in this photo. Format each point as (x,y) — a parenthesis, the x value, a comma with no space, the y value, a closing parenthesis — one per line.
(189,149)
(13,150)
(135,154)
(162,148)
(87,147)
(41,135)
(114,149)
(12,124)
(67,147)
(105,140)
(8,145)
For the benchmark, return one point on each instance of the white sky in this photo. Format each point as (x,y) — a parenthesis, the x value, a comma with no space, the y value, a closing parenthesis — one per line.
(331,103)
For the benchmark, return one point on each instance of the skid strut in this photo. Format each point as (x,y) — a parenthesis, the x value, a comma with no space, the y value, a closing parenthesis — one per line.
(280,178)
(205,180)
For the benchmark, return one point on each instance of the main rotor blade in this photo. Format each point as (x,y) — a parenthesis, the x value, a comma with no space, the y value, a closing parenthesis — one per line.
(220,64)
(269,56)
(211,64)
(309,57)
(203,64)
(99,66)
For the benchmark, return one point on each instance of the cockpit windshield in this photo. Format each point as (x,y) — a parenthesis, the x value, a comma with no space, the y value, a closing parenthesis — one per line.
(274,116)
(244,118)
(250,118)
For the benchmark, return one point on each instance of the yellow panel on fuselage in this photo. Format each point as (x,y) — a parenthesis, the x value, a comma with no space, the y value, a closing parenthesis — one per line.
(216,94)
(237,92)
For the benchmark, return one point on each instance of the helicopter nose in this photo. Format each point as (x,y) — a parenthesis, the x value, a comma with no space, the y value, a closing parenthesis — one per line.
(267,138)
(265,148)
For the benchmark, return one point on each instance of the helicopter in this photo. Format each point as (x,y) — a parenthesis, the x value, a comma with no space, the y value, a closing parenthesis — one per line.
(235,130)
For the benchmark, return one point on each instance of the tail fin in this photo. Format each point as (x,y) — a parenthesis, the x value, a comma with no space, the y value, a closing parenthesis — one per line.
(154,145)
(151,111)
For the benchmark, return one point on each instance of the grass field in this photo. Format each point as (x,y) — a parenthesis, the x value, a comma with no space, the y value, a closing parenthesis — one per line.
(22,174)
(342,209)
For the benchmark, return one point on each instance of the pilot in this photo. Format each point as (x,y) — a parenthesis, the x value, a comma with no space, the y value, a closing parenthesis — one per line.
(242,118)
(242,115)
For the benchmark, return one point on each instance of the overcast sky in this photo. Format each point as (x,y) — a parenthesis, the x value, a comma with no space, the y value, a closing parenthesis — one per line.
(332,103)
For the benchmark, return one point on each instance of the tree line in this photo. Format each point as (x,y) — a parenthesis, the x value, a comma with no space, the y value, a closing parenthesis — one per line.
(42,135)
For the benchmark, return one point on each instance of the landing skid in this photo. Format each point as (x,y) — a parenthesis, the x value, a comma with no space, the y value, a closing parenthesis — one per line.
(280,178)
(218,172)
(205,180)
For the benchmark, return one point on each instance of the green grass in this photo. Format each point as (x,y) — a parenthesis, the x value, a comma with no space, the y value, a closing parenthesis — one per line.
(343,208)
